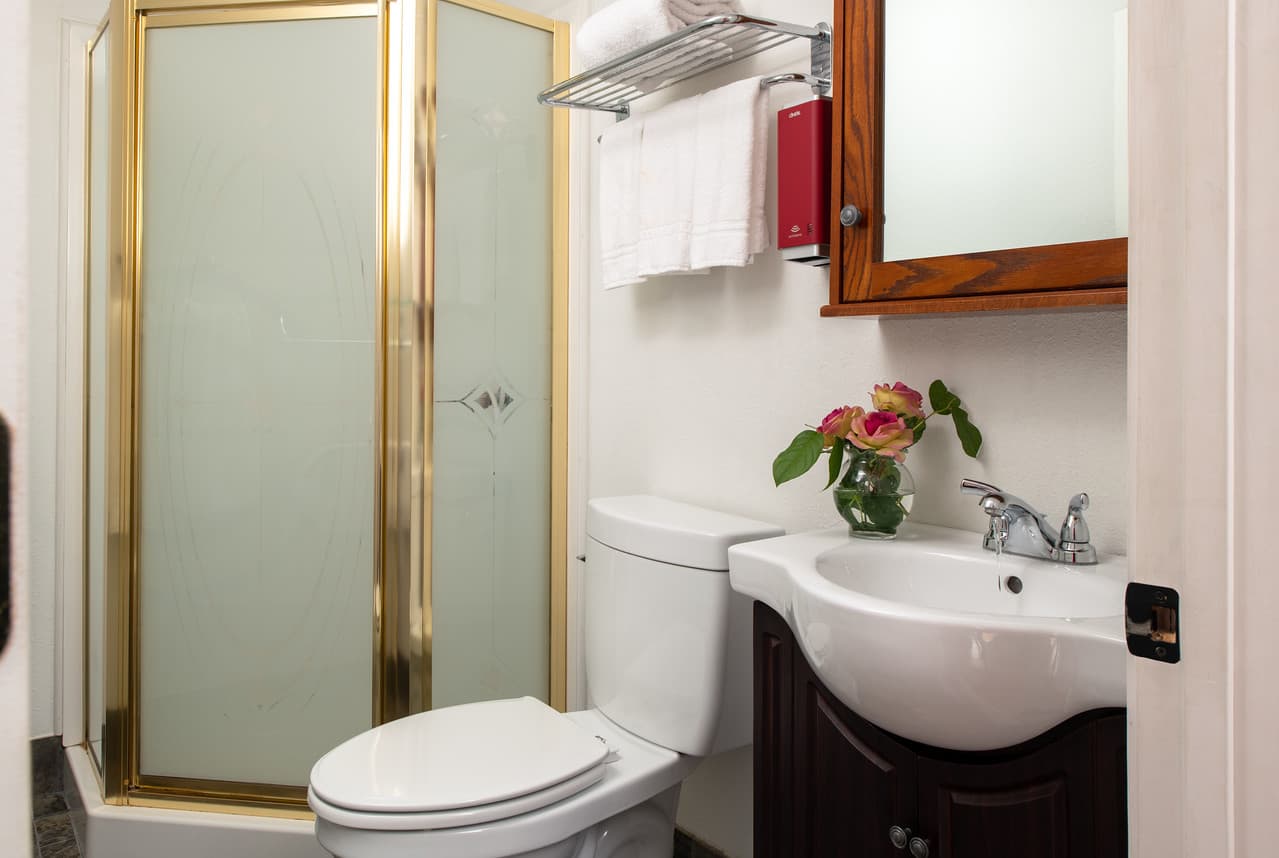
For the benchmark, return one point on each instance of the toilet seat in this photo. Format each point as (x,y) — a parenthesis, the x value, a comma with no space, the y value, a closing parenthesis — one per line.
(453,818)
(456,766)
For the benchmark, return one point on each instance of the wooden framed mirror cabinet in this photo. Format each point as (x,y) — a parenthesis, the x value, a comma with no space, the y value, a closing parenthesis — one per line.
(993,142)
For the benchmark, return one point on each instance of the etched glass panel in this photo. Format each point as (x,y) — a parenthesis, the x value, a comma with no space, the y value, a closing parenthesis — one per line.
(257,375)
(492,440)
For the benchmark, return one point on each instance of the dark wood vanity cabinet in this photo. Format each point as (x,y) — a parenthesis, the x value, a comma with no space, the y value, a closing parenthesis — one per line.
(829,784)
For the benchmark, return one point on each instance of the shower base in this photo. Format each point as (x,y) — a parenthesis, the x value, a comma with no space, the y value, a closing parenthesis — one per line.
(142,832)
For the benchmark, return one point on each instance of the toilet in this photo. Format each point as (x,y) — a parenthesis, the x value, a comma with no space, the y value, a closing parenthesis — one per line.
(668,672)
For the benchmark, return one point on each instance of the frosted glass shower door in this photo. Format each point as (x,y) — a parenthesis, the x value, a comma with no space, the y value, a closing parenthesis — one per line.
(256,436)
(491,534)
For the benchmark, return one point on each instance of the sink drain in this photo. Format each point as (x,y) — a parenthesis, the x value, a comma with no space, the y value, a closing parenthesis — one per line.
(1013,584)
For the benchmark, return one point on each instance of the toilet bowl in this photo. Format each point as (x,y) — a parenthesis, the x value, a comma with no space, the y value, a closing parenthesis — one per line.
(634,797)
(668,668)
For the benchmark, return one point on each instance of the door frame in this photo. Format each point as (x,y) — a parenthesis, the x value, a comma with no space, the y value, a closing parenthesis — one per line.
(1202,351)
(70,438)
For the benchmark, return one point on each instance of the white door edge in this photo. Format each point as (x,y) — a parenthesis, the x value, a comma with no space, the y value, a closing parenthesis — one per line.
(1204,350)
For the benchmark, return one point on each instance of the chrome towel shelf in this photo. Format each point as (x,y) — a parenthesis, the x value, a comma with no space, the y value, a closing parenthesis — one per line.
(698,48)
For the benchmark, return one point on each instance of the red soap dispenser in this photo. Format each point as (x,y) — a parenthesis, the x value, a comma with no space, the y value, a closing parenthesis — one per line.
(803,182)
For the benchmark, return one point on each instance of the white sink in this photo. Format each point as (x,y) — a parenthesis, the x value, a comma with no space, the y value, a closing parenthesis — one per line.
(925,636)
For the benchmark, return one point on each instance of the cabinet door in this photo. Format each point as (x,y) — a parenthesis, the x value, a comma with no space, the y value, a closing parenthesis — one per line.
(852,782)
(1044,804)
(1110,795)
(774,776)
(996,820)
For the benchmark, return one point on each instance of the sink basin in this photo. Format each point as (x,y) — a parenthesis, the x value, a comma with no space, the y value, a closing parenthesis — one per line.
(934,639)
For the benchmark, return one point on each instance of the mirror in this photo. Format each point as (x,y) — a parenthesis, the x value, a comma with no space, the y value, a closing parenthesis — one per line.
(1005,124)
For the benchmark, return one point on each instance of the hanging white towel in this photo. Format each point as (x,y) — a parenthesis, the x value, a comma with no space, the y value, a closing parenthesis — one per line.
(729,176)
(619,180)
(682,189)
(666,181)
(626,25)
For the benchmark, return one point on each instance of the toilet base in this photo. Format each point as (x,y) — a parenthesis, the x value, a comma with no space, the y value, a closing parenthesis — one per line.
(646,830)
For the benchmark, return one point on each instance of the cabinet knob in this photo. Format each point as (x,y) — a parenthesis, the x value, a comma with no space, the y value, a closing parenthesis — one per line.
(850,215)
(899,836)
(918,847)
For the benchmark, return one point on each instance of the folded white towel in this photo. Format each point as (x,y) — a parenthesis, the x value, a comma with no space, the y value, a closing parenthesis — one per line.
(692,11)
(619,179)
(622,27)
(729,175)
(626,25)
(666,188)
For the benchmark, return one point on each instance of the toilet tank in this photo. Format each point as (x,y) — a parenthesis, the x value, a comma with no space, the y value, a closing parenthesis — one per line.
(668,643)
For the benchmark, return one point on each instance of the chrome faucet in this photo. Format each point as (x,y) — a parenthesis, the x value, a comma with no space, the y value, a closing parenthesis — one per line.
(1018,528)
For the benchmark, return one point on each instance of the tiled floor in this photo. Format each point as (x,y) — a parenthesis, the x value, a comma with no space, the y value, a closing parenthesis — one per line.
(687,846)
(52,835)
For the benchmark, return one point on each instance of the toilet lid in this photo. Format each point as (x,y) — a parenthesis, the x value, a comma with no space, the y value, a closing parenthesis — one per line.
(457,757)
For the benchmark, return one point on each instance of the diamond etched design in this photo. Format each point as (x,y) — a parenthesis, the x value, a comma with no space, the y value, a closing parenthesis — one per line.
(493,402)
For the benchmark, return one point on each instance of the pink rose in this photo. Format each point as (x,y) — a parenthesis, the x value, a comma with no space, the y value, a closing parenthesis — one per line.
(836,424)
(898,399)
(882,431)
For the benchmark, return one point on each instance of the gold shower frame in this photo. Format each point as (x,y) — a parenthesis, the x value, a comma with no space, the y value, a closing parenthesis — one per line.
(401,645)
(86,368)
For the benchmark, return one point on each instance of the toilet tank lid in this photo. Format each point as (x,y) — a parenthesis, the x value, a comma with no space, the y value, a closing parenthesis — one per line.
(671,532)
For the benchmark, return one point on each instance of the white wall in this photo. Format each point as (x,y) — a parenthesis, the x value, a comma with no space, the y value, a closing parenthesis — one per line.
(49,62)
(697,382)
(697,385)
(15,788)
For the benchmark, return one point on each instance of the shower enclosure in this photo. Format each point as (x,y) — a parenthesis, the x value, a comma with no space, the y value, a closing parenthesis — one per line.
(325,405)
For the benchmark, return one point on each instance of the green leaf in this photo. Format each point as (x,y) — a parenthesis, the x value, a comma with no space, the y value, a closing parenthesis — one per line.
(836,460)
(883,511)
(942,400)
(891,481)
(801,455)
(917,425)
(969,435)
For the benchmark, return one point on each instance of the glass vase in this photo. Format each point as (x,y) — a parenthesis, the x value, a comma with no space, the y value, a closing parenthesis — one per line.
(873,494)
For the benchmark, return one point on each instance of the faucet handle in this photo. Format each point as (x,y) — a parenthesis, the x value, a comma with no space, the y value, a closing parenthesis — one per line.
(1073,545)
(969,486)
(1074,530)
